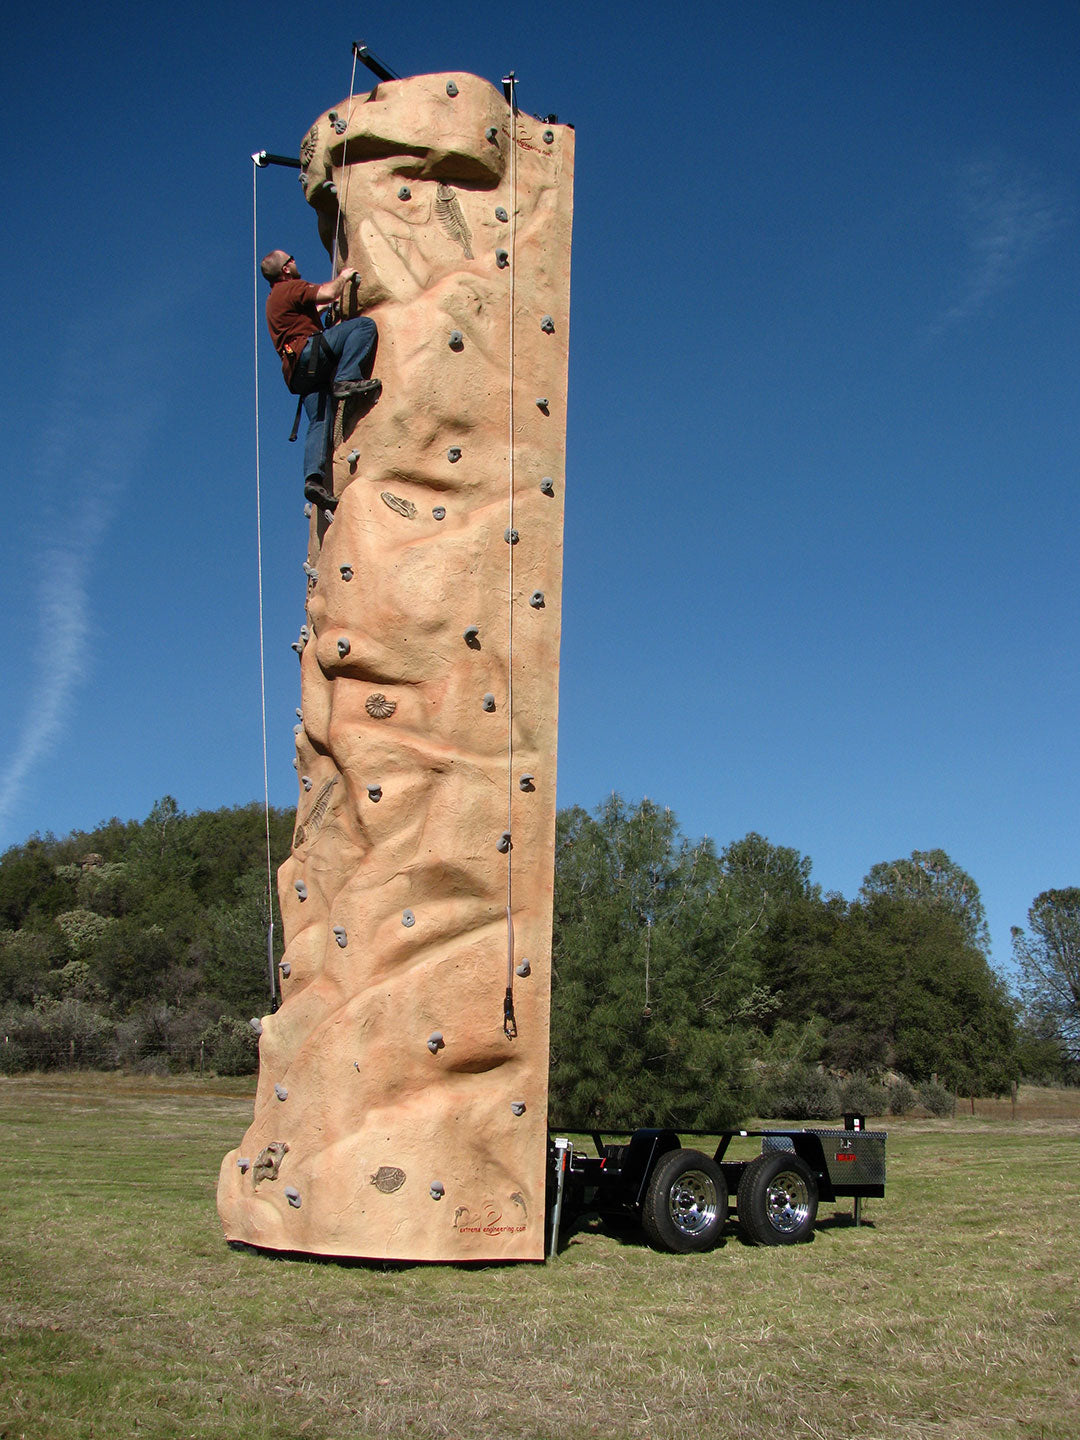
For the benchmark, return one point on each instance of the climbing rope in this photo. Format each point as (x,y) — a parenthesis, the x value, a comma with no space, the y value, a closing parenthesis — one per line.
(345,163)
(509,1022)
(259,565)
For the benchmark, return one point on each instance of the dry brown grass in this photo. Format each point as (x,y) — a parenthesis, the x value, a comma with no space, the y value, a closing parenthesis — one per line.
(952,1314)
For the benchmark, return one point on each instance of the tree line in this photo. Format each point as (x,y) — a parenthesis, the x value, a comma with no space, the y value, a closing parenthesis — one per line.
(691,984)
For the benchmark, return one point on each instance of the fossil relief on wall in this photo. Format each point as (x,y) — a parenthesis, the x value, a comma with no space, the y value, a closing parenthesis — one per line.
(402,1095)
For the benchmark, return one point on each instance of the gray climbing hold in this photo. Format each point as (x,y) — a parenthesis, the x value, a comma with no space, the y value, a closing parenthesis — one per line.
(451,89)
(281,1092)
(331,188)
(353,456)
(491,133)
(295,763)
(471,636)
(547,324)
(298,713)
(518,1107)
(339,126)
(293,1196)
(500,214)
(436,1189)
(524,970)
(542,403)
(346,572)
(404,193)
(305,634)
(536,600)
(526,782)
(343,647)
(374,792)
(511,537)
(488,702)
(408,919)
(454,454)
(439,512)
(435,1042)
(305,780)
(310,571)
(549,137)
(456,340)
(244,1164)
(300,888)
(286,969)
(547,486)
(256,1024)
(340,936)
(503,842)
(298,729)
(502,259)
(307,509)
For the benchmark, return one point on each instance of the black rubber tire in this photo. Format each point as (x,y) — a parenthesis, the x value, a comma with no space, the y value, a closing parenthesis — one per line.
(686,1203)
(777,1200)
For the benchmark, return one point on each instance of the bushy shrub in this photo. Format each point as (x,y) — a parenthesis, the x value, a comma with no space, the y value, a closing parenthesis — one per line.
(56,1035)
(801,1092)
(903,1097)
(863,1096)
(231,1047)
(936,1099)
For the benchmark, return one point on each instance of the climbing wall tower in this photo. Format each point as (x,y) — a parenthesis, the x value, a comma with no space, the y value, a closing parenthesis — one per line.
(402,1096)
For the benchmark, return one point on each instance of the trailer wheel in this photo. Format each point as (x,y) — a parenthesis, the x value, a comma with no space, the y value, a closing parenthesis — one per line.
(686,1203)
(777,1200)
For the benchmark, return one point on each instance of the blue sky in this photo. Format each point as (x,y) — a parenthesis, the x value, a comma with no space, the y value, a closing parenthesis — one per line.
(820,575)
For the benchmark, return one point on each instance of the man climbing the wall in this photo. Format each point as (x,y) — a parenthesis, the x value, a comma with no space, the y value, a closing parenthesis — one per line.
(319,365)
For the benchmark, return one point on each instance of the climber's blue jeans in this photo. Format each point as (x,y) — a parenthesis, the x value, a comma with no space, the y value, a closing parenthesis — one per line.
(353,343)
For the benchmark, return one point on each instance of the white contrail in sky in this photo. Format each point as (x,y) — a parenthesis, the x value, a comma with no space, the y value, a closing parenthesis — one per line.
(1009,214)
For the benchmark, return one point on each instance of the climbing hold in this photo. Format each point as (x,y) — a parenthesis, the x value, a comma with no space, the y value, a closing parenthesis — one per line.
(500,214)
(310,571)
(488,702)
(298,729)
(524,970)
(300,888)
(244,1163)
(399,505)
(457,340)
(408,919)
(549,136)
(511,537)
(491,133)
(379,707)
(340,127)
(518,1107)
(298,645)
(435,1042)
(471,636)
(353,456)
(374,792)
(281,1092)
(536,600)
(439,512)
(502,259)
(547,324)
(542,403)
(343,647)
(526,782)
(293,1196)
(331,188)
(340,936)
(454,454)
(451,89)
(256,1024)
(346,572)
(503,842)
(286,969)
(298,713)
(436,1189)
(307,509)
(295,764)
(331,115)
(305,780)
(404,193)
(547,486)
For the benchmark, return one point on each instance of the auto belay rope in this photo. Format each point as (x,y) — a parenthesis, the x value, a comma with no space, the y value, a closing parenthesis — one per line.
(509,1020)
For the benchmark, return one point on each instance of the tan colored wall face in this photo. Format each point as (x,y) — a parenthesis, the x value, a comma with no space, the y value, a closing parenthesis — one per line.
(415,1127)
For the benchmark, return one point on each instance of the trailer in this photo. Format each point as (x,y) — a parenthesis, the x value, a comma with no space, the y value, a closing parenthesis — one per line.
(682,1197)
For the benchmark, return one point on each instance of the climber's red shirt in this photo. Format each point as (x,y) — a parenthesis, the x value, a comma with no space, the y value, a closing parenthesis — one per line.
(293,317)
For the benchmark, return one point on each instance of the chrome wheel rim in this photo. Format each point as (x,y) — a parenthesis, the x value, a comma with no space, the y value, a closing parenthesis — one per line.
(692,1203)
(787,1203)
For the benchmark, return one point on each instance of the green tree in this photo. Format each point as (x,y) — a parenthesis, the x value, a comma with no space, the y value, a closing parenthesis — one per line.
(929,877)
(1049,961)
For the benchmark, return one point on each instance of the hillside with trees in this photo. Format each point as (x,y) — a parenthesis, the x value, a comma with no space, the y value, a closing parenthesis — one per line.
(691,984)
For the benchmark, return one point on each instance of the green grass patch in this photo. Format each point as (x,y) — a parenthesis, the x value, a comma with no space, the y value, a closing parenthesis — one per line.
(952,1313)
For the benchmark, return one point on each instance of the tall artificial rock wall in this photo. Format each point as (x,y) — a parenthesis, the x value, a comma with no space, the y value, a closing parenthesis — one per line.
(402,1094)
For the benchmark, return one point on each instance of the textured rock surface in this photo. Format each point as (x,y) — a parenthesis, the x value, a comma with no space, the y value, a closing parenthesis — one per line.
(415,1126)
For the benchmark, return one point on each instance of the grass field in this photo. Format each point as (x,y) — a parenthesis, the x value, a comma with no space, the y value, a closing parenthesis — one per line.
(954,1312)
